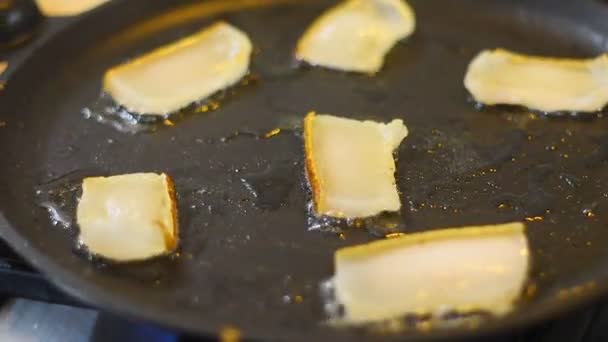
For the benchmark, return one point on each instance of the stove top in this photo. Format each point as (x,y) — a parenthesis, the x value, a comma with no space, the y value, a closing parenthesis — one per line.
(18,279)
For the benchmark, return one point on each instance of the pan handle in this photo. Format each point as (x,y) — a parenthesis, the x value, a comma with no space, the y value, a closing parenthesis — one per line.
(42,29)
(19,20)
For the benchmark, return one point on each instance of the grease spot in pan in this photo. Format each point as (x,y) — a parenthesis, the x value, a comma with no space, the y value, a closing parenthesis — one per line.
(271,187)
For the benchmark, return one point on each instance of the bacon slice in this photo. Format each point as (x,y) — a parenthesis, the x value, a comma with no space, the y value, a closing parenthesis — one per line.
(128,217)
(350,165)
(459,269)
(190,69)
(60,8)
(540,83)
(356,34)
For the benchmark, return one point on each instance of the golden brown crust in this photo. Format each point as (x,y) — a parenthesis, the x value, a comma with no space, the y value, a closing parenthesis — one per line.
(171,241)
(520,57)
(379,246)
(311,171)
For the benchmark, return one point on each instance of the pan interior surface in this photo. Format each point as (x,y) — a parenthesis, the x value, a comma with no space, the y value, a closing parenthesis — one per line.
(247,258)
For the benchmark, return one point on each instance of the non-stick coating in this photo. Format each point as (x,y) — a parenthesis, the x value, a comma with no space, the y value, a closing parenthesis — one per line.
(242,265)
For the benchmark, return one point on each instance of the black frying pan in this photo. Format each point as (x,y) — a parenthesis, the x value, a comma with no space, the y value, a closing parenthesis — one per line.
(244,259)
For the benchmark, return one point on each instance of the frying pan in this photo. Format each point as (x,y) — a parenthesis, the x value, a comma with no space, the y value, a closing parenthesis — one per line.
(247,258)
